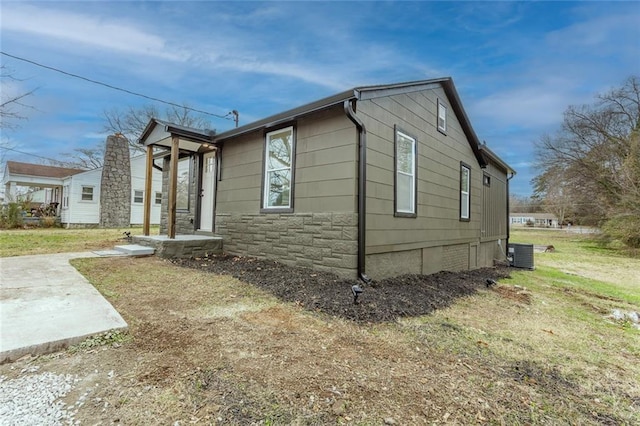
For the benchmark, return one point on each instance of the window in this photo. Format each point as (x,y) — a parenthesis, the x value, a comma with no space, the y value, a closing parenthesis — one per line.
(278,169)
(87,193)
(65,197)
(442,117)
(486,180)
(182,188)
(158,198)
(138,196)
(465,183)
(405,200)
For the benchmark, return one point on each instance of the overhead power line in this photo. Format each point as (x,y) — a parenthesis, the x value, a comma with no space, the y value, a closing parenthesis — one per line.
(231,115)
(27,153)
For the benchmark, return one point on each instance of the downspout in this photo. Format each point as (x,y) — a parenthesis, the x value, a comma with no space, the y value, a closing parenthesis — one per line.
(68,202)
(218,165)
(508,217)
(362,186)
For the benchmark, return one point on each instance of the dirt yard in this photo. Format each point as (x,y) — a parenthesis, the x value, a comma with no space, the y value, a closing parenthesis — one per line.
(239,341)
(386,300)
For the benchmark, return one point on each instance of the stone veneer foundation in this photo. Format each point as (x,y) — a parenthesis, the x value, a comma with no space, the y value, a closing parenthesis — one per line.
(323,241)
(182,245)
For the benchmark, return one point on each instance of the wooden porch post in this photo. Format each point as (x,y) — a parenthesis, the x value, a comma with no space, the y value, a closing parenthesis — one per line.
(147,192)
(173,185)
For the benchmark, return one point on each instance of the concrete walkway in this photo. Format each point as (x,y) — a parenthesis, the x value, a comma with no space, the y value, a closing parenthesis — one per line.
(46,305)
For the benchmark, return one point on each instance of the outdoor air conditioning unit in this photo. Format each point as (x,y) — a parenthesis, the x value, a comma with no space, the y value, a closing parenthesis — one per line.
(521,255)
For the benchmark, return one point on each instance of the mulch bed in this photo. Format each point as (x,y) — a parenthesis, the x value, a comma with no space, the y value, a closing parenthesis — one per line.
(384,300)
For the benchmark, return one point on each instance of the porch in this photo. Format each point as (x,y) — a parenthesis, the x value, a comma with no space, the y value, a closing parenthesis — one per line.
(189,177)
(180,245)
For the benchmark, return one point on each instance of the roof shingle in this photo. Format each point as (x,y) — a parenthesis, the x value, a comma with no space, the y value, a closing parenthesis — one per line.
(28,169)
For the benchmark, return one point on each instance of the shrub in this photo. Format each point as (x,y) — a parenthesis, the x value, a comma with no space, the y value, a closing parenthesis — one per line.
(48,221)
(11,215)
(625,228)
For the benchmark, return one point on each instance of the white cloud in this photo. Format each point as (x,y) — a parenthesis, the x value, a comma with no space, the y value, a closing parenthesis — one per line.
(334,57)
(84,29)
(526,107)
(599,35)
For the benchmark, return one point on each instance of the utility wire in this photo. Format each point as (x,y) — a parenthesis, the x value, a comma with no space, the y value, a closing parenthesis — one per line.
(229,116)
(27,153)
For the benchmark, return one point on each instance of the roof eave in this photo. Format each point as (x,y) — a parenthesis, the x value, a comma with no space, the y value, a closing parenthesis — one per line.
(160,133)
(289,115)
(463,118)
(494,157)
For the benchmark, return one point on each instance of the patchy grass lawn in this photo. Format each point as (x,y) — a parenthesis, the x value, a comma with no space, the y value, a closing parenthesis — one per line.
(21,242)
(211,349)
(605,270)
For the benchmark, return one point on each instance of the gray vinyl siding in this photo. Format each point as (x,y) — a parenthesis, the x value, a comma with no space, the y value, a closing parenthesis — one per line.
(494,216)
(241,174)
(325,167)
(438,174)
(321,231)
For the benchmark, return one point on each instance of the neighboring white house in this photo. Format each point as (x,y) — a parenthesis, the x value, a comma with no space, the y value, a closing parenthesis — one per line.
(539,220)
(76,193)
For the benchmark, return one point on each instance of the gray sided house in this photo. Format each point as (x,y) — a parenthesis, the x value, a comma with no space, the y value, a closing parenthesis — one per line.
(372,182)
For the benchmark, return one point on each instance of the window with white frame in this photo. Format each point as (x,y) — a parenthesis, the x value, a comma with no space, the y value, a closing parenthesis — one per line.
(465,184)
(278,169)
(405,197)
(158,199)
(442,117)
(65,197)
(87,193)
(138,196)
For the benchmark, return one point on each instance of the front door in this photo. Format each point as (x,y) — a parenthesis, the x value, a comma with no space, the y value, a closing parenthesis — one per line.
(208,189)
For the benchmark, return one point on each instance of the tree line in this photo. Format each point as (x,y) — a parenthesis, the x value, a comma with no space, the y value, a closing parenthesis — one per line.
(590,168)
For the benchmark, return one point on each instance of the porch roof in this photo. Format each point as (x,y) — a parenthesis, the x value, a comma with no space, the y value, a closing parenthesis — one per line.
(29,174)
(160,133)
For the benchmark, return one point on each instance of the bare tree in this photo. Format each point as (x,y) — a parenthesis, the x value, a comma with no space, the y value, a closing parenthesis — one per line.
(131,122)
(9,101)
(554,185)
(83,158)
(522,204)
(592,161)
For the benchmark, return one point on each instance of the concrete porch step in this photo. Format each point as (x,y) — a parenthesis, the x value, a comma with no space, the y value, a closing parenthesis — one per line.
(135,250)
(185,245)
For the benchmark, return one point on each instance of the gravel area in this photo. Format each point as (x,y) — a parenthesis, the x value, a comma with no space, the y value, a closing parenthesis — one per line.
(34,398)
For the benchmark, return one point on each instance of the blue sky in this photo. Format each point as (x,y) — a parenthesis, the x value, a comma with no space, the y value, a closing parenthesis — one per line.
(517,65)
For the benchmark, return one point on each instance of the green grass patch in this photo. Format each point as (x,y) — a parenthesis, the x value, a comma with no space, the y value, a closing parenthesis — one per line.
(21,242)
(553,277)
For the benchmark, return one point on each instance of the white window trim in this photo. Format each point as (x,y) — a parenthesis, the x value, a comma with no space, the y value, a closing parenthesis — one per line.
(412,189)
(442,115)
(155,200)
(134,196)
(265,177)
(93,194)
(65,197)
(465,195)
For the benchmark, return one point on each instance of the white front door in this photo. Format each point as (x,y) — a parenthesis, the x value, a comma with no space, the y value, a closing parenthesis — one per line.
(208,190)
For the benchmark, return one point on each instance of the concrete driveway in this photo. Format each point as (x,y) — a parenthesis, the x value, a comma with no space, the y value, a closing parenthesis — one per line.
(46,305)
